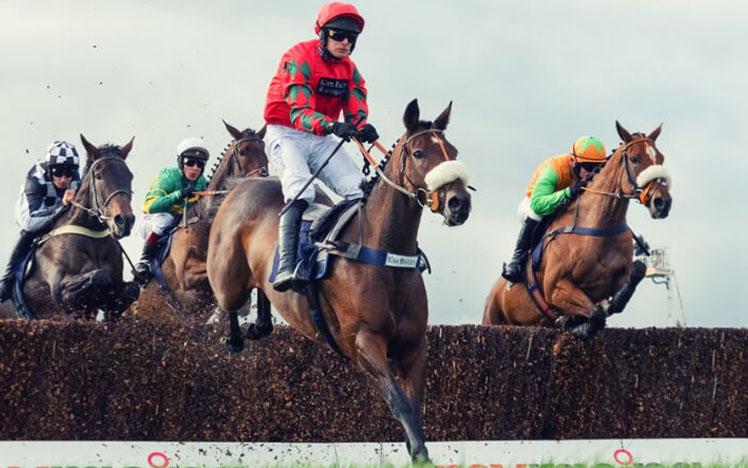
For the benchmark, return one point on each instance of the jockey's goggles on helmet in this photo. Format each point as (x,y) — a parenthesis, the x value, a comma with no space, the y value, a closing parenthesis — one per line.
(63,171)
(192,162)
(339,35)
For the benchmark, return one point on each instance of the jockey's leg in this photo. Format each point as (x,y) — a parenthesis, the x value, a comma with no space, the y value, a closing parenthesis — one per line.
(154,227)
(623,295)
(341,174)
(515,269)
(288,244)
(288,149)
(21,249)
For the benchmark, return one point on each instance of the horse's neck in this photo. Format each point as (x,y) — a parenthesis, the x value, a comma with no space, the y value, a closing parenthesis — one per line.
(223,171)
(597,210)
(391,219)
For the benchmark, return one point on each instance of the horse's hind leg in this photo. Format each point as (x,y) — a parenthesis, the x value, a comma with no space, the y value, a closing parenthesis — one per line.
(372,356)
(263,325)
(234,342)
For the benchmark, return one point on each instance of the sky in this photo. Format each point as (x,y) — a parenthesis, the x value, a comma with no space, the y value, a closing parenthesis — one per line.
(526,79)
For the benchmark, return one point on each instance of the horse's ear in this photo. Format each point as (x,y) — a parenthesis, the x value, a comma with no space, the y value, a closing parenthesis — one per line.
(655,133)
(126,149)
(412,115)
(623,133)
(261,132)
(233,131)
(442,121)
(93,153)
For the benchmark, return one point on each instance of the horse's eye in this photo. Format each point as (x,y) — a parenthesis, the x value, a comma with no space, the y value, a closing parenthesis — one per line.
(97,176)
(419,154)
(242,152)
(635,159)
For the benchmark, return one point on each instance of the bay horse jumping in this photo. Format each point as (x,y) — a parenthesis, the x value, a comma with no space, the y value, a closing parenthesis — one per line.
(184,268)
(377,315)
(77,268)
(581,270)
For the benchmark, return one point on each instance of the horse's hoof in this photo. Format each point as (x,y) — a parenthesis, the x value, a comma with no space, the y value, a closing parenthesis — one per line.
(581,331)
(232,346)
(255,331)
(421,457)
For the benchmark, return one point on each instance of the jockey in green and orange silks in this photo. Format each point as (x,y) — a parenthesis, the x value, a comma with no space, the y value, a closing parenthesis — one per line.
(556,181)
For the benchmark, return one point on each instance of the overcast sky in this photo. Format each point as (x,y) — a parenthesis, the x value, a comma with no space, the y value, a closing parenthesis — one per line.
(526,79)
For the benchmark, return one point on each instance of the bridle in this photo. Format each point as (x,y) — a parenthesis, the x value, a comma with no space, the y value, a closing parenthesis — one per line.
(97,210)
(431,197)
(641,188)
(252,137)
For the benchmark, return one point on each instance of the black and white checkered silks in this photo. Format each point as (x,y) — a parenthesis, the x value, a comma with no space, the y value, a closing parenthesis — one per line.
(62,152)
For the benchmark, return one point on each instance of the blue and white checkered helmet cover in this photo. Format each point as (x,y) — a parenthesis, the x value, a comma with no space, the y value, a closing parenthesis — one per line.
(62,153)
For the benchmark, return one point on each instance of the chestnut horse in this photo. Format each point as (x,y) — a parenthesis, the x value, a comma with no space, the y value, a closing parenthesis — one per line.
(377,315)
(580,271)
(184,268)
(78,267)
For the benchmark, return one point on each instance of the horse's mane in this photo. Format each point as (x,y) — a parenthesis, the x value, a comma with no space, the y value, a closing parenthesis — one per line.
(246,133)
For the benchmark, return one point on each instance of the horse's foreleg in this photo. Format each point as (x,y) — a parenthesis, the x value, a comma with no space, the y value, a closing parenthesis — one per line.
(263,325)
(195,273)
(413,379)
(372,357)
(623,295)
(118,299)
(568,297)
(83,291)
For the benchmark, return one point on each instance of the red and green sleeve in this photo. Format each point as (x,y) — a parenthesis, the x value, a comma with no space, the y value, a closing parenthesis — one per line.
(300,98)
(356,110)
(545,198)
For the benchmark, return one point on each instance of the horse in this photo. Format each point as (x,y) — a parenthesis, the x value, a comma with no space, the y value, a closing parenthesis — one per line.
(376,315)
(184,268)
(77,265)
(588,254)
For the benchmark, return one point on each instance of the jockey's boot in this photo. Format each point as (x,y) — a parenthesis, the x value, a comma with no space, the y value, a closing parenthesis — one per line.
(515,270)
(19,252)
(144,267)
(288,244)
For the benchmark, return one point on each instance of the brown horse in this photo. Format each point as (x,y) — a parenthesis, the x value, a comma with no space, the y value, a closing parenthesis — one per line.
(377,315)
(78,266)
(184,268)
(580,271)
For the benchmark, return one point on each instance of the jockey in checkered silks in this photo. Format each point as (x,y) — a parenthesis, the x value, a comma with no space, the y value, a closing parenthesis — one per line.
(46,193)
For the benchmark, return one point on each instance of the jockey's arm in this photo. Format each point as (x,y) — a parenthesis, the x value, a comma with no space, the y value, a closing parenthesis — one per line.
(356,110)
(300,99)
(31,212)
(545,198)
(165,192)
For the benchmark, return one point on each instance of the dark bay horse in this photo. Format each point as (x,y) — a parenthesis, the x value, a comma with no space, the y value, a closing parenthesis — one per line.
(580,272)
(78,268)
(377,315)
(184,269)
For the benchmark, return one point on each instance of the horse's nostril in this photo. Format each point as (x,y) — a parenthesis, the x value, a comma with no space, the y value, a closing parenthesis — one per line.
(263,172)
(454,203)
(659,203)
(119,221)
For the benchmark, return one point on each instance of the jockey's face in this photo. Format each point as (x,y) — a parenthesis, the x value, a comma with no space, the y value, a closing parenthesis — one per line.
(62,175)
(192,168)
(61,182)
(339,43)
(585,170)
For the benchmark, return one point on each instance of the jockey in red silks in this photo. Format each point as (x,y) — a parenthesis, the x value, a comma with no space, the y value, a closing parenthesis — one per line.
(316,81)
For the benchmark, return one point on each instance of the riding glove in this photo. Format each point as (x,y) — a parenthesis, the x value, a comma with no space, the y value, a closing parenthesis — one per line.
(368,134)
(187,191)
(576,188)
(343,130)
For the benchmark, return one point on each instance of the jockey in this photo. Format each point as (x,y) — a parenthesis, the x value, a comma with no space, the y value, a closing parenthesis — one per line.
(315,81)
(47,192)
(169,194)
(556,181)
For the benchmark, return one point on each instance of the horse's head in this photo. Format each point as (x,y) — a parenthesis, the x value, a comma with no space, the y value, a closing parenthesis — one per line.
(428,164)
(107,184)
(247,152)
(646,177)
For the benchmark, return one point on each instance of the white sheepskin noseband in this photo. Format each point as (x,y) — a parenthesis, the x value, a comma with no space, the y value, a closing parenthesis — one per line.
(446,172)
(651,173)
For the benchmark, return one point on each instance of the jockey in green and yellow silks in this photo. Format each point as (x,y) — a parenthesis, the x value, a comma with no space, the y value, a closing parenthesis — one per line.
(169,194)
(556,181)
